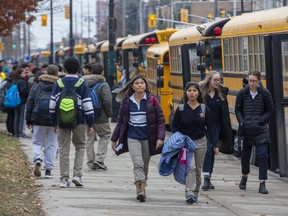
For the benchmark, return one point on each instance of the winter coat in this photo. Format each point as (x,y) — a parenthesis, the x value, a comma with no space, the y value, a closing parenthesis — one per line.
(46,83)
(226,136)
(155,125)
(253,114)
(169,161)
(23,88)
(105,95)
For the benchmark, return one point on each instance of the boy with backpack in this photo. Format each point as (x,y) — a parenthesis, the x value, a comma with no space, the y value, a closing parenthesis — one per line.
(70,103)
(102,103)
(38,116)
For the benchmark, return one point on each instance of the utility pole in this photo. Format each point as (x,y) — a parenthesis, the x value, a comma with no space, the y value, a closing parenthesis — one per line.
(171,13)
(216,9)
(51,58)
(111,53)
(71,44)
(88,23)
(141,17)
(124,18)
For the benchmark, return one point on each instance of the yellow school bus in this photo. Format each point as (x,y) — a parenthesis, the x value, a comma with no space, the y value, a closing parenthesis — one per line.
(134,50)
(158,76)
(194,51)
(45,55)
(259,41)
(118,61)
(93,54)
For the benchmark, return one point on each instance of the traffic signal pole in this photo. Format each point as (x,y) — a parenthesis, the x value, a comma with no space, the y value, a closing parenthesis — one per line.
(71,44)
(111,73)
(51,58)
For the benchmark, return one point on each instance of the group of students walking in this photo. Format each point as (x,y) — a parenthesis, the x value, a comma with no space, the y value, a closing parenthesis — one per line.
(140,127)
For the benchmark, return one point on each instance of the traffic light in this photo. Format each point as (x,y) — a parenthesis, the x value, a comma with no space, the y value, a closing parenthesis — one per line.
(61,45)
(44,20)
(210,16)
(2,46)
(184,15)
(222,13)
(67,12)
(152,20)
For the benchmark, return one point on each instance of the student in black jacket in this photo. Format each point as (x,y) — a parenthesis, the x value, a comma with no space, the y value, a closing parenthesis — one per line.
(253,109)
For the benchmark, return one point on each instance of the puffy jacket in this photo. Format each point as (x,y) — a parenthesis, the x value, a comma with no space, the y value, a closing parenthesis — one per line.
(169,161)
(155,125)
(254,114)
(46,83)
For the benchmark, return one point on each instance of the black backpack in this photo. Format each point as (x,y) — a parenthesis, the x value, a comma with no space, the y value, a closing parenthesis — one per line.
(40,113)
(67,107)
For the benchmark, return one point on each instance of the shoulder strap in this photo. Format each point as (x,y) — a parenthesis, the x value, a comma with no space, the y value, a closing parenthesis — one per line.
(60,83)
(96,85)
(79,82)
(203,108)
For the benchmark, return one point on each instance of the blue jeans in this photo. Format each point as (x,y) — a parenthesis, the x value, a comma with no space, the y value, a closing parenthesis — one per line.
(262,156)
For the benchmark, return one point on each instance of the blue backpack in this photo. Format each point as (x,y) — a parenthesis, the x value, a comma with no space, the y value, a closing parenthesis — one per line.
(96,101)
(12,98)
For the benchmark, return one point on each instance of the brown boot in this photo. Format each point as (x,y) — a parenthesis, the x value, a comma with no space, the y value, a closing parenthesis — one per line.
(139,191)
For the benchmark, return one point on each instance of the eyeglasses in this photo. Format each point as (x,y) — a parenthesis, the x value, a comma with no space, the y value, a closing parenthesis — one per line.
(253,81)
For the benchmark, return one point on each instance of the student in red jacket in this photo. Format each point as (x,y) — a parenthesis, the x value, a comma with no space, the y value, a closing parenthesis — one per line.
(140,128)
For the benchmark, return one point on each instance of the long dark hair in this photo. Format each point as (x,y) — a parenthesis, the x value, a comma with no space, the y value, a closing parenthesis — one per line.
(128,90)
(196,86)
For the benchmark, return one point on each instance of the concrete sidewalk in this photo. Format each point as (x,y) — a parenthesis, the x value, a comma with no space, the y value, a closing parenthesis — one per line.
(112,192)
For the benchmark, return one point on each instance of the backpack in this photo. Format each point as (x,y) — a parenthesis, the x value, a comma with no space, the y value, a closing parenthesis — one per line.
(181,108)
(3,93)
(12,98)
(95,97)
(40,113)
(67,107)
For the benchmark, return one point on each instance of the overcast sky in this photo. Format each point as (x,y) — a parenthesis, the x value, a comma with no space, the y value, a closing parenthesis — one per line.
(40,36)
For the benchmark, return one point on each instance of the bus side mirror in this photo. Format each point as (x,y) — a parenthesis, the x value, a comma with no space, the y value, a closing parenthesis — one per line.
(160,70)
(135,52)
(160,82)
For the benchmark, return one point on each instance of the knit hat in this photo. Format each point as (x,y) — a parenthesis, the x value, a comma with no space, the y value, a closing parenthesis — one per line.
(52,70)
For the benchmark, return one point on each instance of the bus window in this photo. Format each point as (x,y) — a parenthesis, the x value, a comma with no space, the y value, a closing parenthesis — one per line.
(216,54)
(256,52)
(284,46)
(262,56)
(251,53)
(194,60)
(226,57)
(231,68)
(142,57)
(236,54)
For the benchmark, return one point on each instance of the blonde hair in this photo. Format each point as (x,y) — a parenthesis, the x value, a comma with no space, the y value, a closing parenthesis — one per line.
(205,86)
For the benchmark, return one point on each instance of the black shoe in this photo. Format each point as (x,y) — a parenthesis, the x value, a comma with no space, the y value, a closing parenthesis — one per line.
(100,165)
(206,183)
(243,182)
(262,188)
(211,186)
(48,174)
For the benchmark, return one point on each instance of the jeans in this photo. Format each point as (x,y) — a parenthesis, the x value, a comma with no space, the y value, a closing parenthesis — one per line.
(140,155)
(261,154)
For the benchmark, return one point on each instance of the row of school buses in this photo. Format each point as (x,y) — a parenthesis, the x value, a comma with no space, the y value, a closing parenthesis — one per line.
(233,46)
